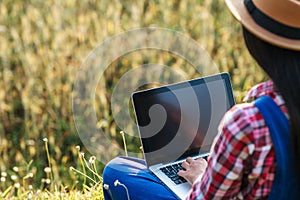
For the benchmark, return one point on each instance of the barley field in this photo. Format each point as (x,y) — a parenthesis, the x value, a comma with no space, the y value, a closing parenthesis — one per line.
(43,44)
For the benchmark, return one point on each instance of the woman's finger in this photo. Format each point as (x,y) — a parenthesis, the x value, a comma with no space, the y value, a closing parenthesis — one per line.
(189,160)
(185,165)
(182,173)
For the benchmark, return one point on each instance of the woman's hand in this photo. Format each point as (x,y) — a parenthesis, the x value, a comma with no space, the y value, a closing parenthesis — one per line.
(193,169)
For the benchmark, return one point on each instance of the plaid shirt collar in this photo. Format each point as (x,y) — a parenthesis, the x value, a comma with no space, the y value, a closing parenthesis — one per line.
(266,88)
(261,89)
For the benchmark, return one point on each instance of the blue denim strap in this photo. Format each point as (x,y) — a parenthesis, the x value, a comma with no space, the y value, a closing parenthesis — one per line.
(279,128)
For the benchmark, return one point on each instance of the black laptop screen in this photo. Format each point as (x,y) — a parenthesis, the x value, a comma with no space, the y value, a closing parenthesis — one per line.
(181,119)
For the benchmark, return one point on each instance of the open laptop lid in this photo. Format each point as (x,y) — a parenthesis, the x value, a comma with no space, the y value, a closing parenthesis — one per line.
(180,120)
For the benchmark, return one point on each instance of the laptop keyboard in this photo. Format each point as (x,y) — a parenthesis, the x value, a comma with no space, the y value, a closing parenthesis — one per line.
(171,171)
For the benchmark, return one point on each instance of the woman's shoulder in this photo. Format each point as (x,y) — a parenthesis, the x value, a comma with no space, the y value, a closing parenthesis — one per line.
(245,123)
(243,115)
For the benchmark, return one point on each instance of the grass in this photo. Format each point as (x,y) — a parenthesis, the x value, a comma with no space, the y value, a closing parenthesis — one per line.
(22,189)
(22,193)
(42,46)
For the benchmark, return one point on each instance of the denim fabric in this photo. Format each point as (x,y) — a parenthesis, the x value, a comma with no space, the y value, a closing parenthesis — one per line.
(133,173)
(284,185)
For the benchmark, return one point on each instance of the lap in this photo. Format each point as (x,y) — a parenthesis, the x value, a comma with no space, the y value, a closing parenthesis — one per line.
(132,173)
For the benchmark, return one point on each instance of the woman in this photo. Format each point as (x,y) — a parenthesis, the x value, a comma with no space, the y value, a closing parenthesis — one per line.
(245,163)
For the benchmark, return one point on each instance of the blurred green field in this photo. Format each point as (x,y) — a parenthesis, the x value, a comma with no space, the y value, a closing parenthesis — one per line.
(42,46)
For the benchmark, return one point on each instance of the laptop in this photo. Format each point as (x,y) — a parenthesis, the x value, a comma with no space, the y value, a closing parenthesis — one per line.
(180,120)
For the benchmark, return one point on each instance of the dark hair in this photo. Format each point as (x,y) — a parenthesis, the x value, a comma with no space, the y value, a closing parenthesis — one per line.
(283,67)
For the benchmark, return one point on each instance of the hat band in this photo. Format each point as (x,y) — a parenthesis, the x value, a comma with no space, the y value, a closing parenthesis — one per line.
(270,24)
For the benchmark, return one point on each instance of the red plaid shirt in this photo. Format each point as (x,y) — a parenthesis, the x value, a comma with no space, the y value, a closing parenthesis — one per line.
(242,163)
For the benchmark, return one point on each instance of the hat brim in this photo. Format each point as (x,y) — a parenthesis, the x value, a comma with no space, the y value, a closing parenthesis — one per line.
(241,13)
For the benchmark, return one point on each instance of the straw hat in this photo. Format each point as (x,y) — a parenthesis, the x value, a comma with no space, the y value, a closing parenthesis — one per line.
(274,21)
